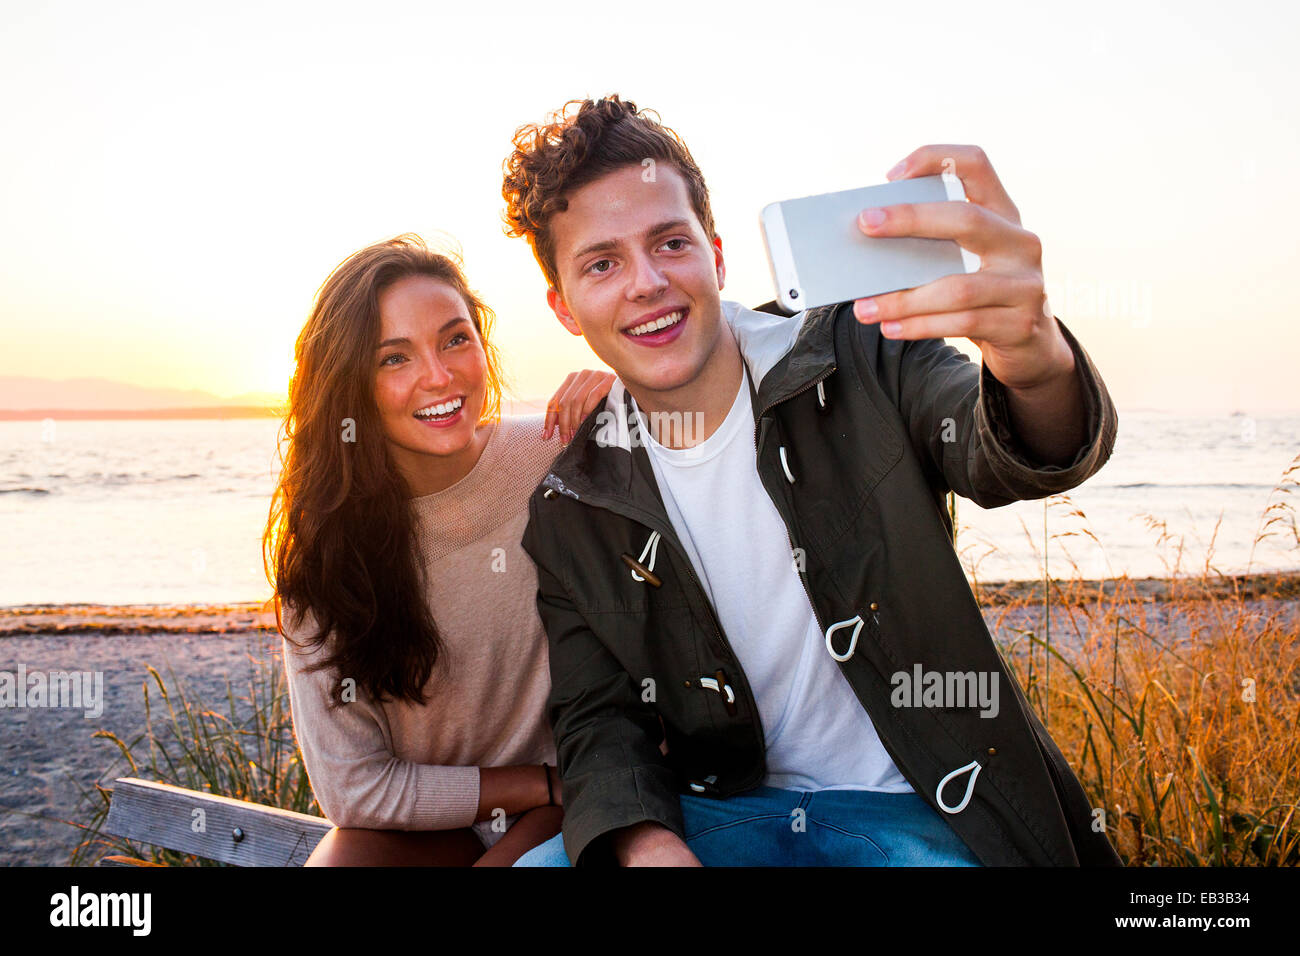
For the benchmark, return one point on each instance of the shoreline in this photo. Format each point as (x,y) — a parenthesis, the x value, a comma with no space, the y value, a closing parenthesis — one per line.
(1272,585)
(246,616)
(136,619)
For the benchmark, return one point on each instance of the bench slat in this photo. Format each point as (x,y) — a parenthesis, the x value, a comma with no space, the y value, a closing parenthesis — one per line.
(164,816)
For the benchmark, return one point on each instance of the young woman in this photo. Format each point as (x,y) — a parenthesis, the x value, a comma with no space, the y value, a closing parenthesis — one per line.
(417,663)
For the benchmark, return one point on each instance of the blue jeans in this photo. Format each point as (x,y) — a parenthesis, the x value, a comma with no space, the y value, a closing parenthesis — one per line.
(770,827)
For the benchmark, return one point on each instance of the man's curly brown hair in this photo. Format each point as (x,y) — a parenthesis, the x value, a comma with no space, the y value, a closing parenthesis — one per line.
(577,146)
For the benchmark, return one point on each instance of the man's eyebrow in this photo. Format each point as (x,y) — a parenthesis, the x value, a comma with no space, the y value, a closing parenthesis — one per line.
(607,244)
(604,245)
(405,341)
(668,226)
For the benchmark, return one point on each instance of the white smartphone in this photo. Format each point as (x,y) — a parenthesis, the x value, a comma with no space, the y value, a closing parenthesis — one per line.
(819,256)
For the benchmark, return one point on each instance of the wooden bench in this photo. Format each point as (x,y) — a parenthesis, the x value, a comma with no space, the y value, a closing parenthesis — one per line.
(208,826)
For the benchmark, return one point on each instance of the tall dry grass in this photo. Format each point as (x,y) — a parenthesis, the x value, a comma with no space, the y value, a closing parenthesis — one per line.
(1179,715)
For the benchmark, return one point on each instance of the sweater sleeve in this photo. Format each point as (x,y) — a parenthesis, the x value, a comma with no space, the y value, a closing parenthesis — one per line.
(348,754)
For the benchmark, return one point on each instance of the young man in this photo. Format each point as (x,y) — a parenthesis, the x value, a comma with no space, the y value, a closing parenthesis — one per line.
(744,559)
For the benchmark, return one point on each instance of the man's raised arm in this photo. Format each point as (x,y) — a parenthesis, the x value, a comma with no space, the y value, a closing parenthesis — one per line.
(1043,420)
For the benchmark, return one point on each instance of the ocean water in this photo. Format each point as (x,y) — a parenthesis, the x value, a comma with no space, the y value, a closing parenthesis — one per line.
(135,512)
(1178,495)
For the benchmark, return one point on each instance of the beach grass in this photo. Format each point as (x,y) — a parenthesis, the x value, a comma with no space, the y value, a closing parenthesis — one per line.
(245,750)
(1184,737)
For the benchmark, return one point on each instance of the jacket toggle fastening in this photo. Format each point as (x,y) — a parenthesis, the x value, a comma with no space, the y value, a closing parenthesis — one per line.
(642,570)
(704,786)
(974,768)
(718,683)
(856,623)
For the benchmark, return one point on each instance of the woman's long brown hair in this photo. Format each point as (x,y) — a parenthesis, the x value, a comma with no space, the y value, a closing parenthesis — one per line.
(340,537)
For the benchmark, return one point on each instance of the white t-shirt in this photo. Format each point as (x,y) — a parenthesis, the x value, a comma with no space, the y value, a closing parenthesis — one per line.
(819,737)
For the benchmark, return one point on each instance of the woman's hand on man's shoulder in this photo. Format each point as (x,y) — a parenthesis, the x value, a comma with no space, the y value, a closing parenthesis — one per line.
(575,399)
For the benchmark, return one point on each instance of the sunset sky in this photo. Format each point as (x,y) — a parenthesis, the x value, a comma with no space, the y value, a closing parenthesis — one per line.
(178,180)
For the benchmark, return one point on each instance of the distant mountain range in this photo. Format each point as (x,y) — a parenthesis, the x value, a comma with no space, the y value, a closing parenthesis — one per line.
(23,393)
(23,397)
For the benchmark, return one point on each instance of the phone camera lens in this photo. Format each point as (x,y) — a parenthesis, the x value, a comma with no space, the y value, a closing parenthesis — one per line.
(794,293)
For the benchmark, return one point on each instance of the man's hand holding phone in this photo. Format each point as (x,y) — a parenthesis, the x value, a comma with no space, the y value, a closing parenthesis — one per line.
(1002,308)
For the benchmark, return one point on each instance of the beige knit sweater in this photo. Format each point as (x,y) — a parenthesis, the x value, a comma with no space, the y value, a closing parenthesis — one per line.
(399,766)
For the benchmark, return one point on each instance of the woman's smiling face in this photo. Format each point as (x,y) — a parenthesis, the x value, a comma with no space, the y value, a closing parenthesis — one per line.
(430,379)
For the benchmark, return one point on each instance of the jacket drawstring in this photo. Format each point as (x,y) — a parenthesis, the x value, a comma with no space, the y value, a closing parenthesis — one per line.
(821,397)
(786,467)
(853,641)
(974,767)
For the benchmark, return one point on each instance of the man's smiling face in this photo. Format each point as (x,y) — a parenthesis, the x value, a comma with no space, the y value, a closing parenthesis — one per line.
(640,280)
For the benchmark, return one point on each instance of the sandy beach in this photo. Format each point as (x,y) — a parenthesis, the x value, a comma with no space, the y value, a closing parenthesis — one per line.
(47,754)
